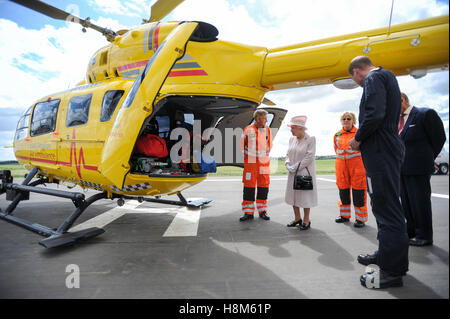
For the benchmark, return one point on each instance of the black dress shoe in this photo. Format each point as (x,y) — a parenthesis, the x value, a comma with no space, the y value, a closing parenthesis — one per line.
(246,217)
(294,223)
(359,224)
(305,227)
(420,242)
(264,216)
(367,259)
(380,280)
(341,220)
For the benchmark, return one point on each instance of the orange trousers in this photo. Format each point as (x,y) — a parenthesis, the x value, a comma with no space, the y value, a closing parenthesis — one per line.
(350,174)
(255,175)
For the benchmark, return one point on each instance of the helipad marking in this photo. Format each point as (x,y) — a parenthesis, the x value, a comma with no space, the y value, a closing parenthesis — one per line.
(185,222)
(108,217)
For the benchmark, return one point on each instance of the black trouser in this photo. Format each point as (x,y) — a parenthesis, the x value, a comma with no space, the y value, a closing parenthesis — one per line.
(383,185)
(416,202)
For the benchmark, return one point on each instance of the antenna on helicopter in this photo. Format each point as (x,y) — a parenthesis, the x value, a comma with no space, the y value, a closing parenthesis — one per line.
(59,14)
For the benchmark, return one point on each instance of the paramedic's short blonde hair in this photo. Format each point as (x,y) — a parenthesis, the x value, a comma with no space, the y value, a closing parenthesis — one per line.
(259,113)
(352,115)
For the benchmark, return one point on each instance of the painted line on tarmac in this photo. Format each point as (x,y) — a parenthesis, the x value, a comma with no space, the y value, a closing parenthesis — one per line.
(107,217)
(439,195)
(184,224)
(326,179)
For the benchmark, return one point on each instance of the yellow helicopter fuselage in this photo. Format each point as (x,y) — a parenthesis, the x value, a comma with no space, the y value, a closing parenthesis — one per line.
(96,154)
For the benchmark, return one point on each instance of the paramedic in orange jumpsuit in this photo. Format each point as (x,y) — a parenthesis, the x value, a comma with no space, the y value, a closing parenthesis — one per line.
(256,142)
(350,174)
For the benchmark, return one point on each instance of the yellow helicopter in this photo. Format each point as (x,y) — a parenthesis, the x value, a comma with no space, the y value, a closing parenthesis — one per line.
(150,75)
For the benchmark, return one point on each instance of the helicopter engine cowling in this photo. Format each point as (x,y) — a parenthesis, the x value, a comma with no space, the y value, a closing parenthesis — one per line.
(134,48)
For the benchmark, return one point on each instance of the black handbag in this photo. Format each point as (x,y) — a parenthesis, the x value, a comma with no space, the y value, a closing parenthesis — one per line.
(303,182)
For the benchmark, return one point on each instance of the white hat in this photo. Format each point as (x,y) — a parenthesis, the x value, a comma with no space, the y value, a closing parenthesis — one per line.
(298,121)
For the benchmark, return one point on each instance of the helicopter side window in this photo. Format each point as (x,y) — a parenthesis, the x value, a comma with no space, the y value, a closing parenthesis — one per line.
(78,111)
(22,126)
(109,104)
(44,117)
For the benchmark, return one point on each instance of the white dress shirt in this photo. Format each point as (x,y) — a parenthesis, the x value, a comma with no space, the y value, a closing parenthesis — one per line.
(407,111)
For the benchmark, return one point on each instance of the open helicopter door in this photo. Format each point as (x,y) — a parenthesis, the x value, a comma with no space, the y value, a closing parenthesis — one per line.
(139,104)
(231,127)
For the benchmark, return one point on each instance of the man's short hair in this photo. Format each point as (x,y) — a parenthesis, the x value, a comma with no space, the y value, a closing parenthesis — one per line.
(405,97)
(259,113)
(360,62)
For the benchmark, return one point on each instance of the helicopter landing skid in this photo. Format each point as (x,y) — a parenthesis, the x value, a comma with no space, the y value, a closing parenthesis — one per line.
(56,237)
(196,203)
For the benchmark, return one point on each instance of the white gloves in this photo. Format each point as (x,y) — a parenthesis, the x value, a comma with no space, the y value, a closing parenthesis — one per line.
(291,168)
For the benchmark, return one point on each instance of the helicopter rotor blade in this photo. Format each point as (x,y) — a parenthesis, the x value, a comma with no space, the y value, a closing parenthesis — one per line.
(44,8)
(59,14)
(162,8)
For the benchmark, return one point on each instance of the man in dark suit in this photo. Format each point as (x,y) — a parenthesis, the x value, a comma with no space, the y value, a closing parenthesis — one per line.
(423,133)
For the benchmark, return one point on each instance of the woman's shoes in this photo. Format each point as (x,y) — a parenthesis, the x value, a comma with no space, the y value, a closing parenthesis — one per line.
(305,227)
(294,223)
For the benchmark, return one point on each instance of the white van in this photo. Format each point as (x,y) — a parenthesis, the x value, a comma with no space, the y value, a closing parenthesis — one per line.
(441,163)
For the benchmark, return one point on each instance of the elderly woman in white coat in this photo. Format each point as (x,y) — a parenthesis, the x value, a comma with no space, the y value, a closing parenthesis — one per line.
(301,154)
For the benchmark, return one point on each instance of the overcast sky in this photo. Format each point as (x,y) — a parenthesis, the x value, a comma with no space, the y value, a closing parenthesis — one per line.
(40,55)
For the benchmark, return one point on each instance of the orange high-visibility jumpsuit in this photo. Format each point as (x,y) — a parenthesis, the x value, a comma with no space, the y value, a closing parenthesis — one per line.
(256,144)
(350,173)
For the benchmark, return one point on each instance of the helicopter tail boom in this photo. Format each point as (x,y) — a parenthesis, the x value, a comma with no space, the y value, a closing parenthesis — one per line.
(402,49)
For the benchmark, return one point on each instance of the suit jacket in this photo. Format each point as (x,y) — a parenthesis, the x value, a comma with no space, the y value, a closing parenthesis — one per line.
(424,137)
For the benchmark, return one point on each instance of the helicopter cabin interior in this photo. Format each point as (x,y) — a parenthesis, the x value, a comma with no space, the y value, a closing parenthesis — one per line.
(175,112)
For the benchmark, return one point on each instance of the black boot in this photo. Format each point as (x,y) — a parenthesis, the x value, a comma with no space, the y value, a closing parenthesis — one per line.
(246,217)
(367,259)
(359,224)
(341,219)
(264,216)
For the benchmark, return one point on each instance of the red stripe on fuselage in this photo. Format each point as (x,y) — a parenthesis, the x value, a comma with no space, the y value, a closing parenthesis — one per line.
(132,65)
(156,36)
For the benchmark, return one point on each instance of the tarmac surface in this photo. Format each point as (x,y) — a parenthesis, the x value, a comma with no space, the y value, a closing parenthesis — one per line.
(158,251)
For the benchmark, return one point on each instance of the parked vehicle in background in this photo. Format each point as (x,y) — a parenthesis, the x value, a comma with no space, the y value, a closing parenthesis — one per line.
(441,163)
